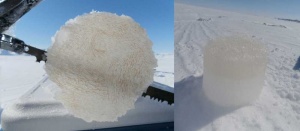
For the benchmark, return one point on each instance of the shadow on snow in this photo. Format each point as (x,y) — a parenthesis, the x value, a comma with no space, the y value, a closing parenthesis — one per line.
(193,110)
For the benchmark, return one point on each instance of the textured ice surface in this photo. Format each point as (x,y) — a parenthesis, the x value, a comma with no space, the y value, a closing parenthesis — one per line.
(102,62)
(234,70)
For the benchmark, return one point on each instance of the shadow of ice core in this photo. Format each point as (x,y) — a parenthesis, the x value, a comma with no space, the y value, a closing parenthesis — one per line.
(297,65)
(193,110)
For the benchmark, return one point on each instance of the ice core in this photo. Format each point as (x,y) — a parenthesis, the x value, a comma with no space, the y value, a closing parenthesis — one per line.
(234,70)
(102,63)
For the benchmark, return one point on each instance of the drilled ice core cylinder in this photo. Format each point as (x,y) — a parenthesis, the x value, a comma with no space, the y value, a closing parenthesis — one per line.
(234,70)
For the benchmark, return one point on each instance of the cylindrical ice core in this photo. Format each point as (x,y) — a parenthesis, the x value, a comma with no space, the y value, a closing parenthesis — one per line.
(234,70)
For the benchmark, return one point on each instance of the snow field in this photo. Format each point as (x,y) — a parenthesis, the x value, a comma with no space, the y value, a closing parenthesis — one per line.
(164,73)
(17,75)
(277,108)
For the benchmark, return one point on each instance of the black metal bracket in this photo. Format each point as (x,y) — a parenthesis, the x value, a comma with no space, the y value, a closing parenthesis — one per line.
(13,10)
(18,46)
(167,126)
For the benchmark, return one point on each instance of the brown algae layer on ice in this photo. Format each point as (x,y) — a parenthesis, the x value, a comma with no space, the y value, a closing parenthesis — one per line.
(234,70)
(102,63)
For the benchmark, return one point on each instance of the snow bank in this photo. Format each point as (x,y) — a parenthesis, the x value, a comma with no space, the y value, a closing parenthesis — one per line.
(102,63)
(234,70)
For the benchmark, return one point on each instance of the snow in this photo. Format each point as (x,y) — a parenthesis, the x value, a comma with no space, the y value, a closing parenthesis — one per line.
(114,67)
(164,73)
(37,107)
(17,75)
(234,70)
(277,108)
(5,52)
(20,74)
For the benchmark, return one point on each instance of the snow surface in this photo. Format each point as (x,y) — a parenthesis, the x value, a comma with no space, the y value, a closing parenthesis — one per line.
(17,75)
(20,74)
(164,73)
(114,67)
(37,109)
(277,108)
(5,52)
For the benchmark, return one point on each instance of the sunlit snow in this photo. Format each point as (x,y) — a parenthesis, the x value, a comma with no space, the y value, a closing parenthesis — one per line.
(277,108)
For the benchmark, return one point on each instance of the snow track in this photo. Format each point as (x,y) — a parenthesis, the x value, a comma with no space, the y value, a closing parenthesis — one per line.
(278,107)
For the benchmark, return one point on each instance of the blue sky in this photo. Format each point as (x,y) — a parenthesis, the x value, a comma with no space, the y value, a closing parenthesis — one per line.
(157,16)
(273,8)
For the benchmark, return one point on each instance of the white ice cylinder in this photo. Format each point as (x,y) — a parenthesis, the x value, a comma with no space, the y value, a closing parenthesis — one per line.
(234,70)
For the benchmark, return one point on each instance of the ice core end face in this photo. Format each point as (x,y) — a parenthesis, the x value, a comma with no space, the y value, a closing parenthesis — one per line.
(102,63)
(234,70)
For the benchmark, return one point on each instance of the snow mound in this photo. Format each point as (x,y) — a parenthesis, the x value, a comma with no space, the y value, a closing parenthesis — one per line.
(234,70)
(102,63)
